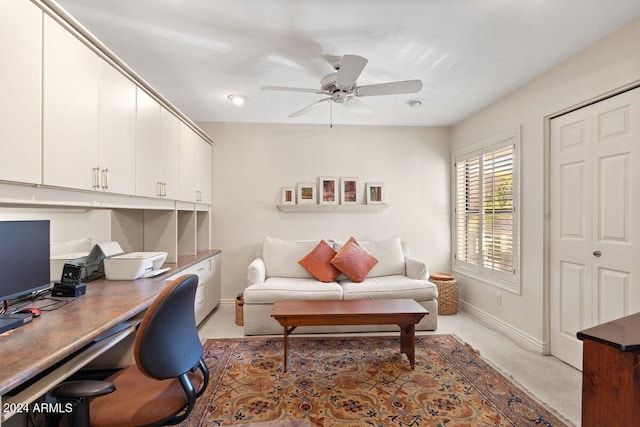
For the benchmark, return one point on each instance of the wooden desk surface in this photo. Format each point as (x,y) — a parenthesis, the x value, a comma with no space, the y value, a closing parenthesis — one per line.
(624,333)
(48,339)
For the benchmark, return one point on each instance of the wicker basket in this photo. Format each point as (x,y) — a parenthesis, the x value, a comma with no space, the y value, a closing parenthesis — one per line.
(239,310)
(447,292)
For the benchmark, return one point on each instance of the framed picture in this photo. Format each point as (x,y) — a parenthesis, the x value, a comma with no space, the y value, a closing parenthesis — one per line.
(328,190)
(306,193)
(375,193)
(288,196)
(350,190)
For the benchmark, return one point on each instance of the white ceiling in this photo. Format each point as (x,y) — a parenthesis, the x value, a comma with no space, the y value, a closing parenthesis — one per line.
(467,53)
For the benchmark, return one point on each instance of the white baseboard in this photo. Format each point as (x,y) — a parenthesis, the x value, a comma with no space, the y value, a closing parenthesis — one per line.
(522,339)
(227,301)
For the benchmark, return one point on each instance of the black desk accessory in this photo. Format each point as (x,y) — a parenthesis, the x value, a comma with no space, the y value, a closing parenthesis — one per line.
(70,284)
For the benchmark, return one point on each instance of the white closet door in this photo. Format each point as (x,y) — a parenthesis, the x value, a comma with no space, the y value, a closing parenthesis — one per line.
(595,205)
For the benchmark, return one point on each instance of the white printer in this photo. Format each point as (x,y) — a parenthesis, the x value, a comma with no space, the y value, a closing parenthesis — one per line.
(133,265)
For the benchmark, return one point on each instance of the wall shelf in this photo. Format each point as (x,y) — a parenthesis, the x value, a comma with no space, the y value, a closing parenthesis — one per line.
(333,208)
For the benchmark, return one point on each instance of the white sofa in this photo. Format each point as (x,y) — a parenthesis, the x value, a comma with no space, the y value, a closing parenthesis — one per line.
(276,275)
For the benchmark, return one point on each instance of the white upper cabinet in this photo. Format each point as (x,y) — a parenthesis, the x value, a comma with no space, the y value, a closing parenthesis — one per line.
(148,156)
(188,163)
(204,172)
(21,98)
(70,138)
(117,131)
(170,154)
(157,150)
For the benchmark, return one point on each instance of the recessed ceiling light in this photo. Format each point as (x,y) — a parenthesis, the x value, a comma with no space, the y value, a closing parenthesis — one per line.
(236,99)
(414,103)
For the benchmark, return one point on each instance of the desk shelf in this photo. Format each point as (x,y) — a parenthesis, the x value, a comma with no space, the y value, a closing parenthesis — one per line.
(333,208)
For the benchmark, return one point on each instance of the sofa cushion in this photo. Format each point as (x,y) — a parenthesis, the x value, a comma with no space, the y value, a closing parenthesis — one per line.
(318,262)
(389,254)
(281,257)
(283,288)
(354,261)
(396,286)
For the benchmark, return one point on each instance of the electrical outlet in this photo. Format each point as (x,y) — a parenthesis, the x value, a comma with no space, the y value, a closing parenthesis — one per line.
(499,298)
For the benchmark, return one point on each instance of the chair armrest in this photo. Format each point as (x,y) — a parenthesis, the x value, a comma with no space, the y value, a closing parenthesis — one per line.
(416,269)
(82,388)
(256,272)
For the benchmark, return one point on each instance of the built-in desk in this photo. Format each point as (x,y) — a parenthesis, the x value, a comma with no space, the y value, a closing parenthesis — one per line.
(56,335)
(611,373)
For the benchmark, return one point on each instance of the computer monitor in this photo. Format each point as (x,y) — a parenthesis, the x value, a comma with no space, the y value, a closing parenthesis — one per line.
(24,258)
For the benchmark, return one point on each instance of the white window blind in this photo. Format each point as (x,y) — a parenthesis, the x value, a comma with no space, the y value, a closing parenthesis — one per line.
(485,215)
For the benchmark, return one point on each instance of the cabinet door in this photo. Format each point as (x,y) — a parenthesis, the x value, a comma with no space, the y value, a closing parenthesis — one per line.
(117,131)
(170,151)
(188,163)
(148,176)
(213,283)
(204,171)
(21,99)
(70,136)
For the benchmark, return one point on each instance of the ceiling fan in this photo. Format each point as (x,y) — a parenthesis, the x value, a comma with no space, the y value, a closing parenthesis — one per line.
(341,86)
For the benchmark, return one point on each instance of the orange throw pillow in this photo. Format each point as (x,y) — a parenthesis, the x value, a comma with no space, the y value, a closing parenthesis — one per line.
(318,262)
(354,261)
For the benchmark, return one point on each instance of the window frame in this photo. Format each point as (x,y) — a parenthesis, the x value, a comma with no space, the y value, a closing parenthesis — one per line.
(504,280)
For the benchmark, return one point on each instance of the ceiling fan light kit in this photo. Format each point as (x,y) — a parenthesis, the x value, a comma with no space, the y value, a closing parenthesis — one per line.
(341,88)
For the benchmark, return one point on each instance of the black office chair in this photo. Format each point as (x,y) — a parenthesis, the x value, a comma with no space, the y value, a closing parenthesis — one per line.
(160,389)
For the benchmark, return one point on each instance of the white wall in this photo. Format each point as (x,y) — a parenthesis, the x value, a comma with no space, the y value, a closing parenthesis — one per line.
(253,161)
(610,64)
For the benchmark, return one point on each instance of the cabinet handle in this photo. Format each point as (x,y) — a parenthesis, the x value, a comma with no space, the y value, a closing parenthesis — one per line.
(164,189)
(159,189)
(96,178)
(597,254)
(105,174)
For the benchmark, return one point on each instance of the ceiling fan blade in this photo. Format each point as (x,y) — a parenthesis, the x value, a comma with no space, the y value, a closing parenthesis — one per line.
(309,108)
(350,68)
(392,88)
(292,89)
(356,106)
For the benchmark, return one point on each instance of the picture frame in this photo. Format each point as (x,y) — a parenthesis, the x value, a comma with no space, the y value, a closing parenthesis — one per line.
(306,193)
(288,196)
(328,191)
(350,193)
(375,193)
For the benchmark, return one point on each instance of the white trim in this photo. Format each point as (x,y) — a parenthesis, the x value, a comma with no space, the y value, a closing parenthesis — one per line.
(491,144)
(522,339)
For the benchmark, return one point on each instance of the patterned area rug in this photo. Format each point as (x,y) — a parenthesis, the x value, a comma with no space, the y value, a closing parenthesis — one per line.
(360,381)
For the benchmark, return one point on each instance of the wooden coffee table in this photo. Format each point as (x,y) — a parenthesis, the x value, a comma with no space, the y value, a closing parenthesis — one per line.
(402,312)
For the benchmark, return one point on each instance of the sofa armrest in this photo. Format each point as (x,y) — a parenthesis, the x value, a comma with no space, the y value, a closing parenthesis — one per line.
(256,272)
(416,269)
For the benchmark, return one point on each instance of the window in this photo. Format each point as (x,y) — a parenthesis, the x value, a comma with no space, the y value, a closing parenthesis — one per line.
(485,218)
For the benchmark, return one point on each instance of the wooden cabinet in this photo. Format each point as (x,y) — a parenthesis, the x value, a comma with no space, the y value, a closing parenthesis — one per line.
(157,150)
(71,120)
(170,154)
(208,293)
(203,185)
(89,117)
(21,99)
(611,373)
(188,163)
(116,152)
(148,157)
(195,167)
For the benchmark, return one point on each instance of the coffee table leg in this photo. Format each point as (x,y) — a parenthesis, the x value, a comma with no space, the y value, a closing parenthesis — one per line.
(286,347)
(408,342)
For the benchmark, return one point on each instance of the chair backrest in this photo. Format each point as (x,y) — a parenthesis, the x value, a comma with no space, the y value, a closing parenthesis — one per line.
(167,343)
